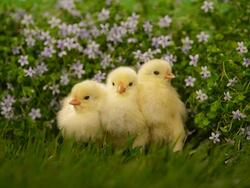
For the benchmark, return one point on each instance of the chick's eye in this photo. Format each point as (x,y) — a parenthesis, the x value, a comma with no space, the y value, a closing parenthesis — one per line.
(113,83)
(130,83)
(86,98)
(156,72)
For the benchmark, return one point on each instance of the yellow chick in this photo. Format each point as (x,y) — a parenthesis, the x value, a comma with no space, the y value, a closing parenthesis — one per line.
(160,104)
(121,116)
(80,113)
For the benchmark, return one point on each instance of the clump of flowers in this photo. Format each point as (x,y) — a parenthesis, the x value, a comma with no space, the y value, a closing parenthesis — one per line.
(53,52)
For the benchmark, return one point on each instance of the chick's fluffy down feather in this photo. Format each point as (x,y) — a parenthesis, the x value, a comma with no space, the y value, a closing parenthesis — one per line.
(82,121)
(160,104)
(121,116)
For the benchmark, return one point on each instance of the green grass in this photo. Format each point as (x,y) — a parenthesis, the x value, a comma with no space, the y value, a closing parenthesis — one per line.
(42,162)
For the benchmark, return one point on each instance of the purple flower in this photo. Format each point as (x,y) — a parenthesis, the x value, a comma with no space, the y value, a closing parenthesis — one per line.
(227,96)
(35,113)
(207,6)
(78,69)
(64,79)
(41,68)
(69,5)
(147,26)
(131,23)
(48,51)
(241,48)
(104,28)
(99,76)
(106,59)
(161,41)
(193,60)
(146,56)
(170,58)
(30,72)
(84,34)
(205,73)
(7,106)
(92,50)
(16,50)
(238,115)
(186,44)
(215,137)
(202,37)
(201,96)
(95,31)
(165,21)
(190,81)
(103,15)
(116,34)
(246,62)
(23,60)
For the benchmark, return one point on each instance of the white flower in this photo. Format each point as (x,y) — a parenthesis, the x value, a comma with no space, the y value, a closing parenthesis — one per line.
(215,137)
(103,15)
(190,81)
(165,21)
(55,89)
(35,113)
(232,82)
(7,106)
(241,48)
(54,22)
(205,73)
(23,60)
(201,96)
(238,115)
(64,79)
(30,41)
(27,20)
(147,26)
(202,37)
(207,6)
(227,96)
(193,60)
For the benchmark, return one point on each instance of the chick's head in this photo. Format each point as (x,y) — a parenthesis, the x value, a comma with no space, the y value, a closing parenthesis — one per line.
(87,95)
(156,70)
(122,81)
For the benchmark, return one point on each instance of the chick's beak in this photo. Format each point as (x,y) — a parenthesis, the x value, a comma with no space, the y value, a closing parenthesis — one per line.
(169,76)
(74,102)
(121,88)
